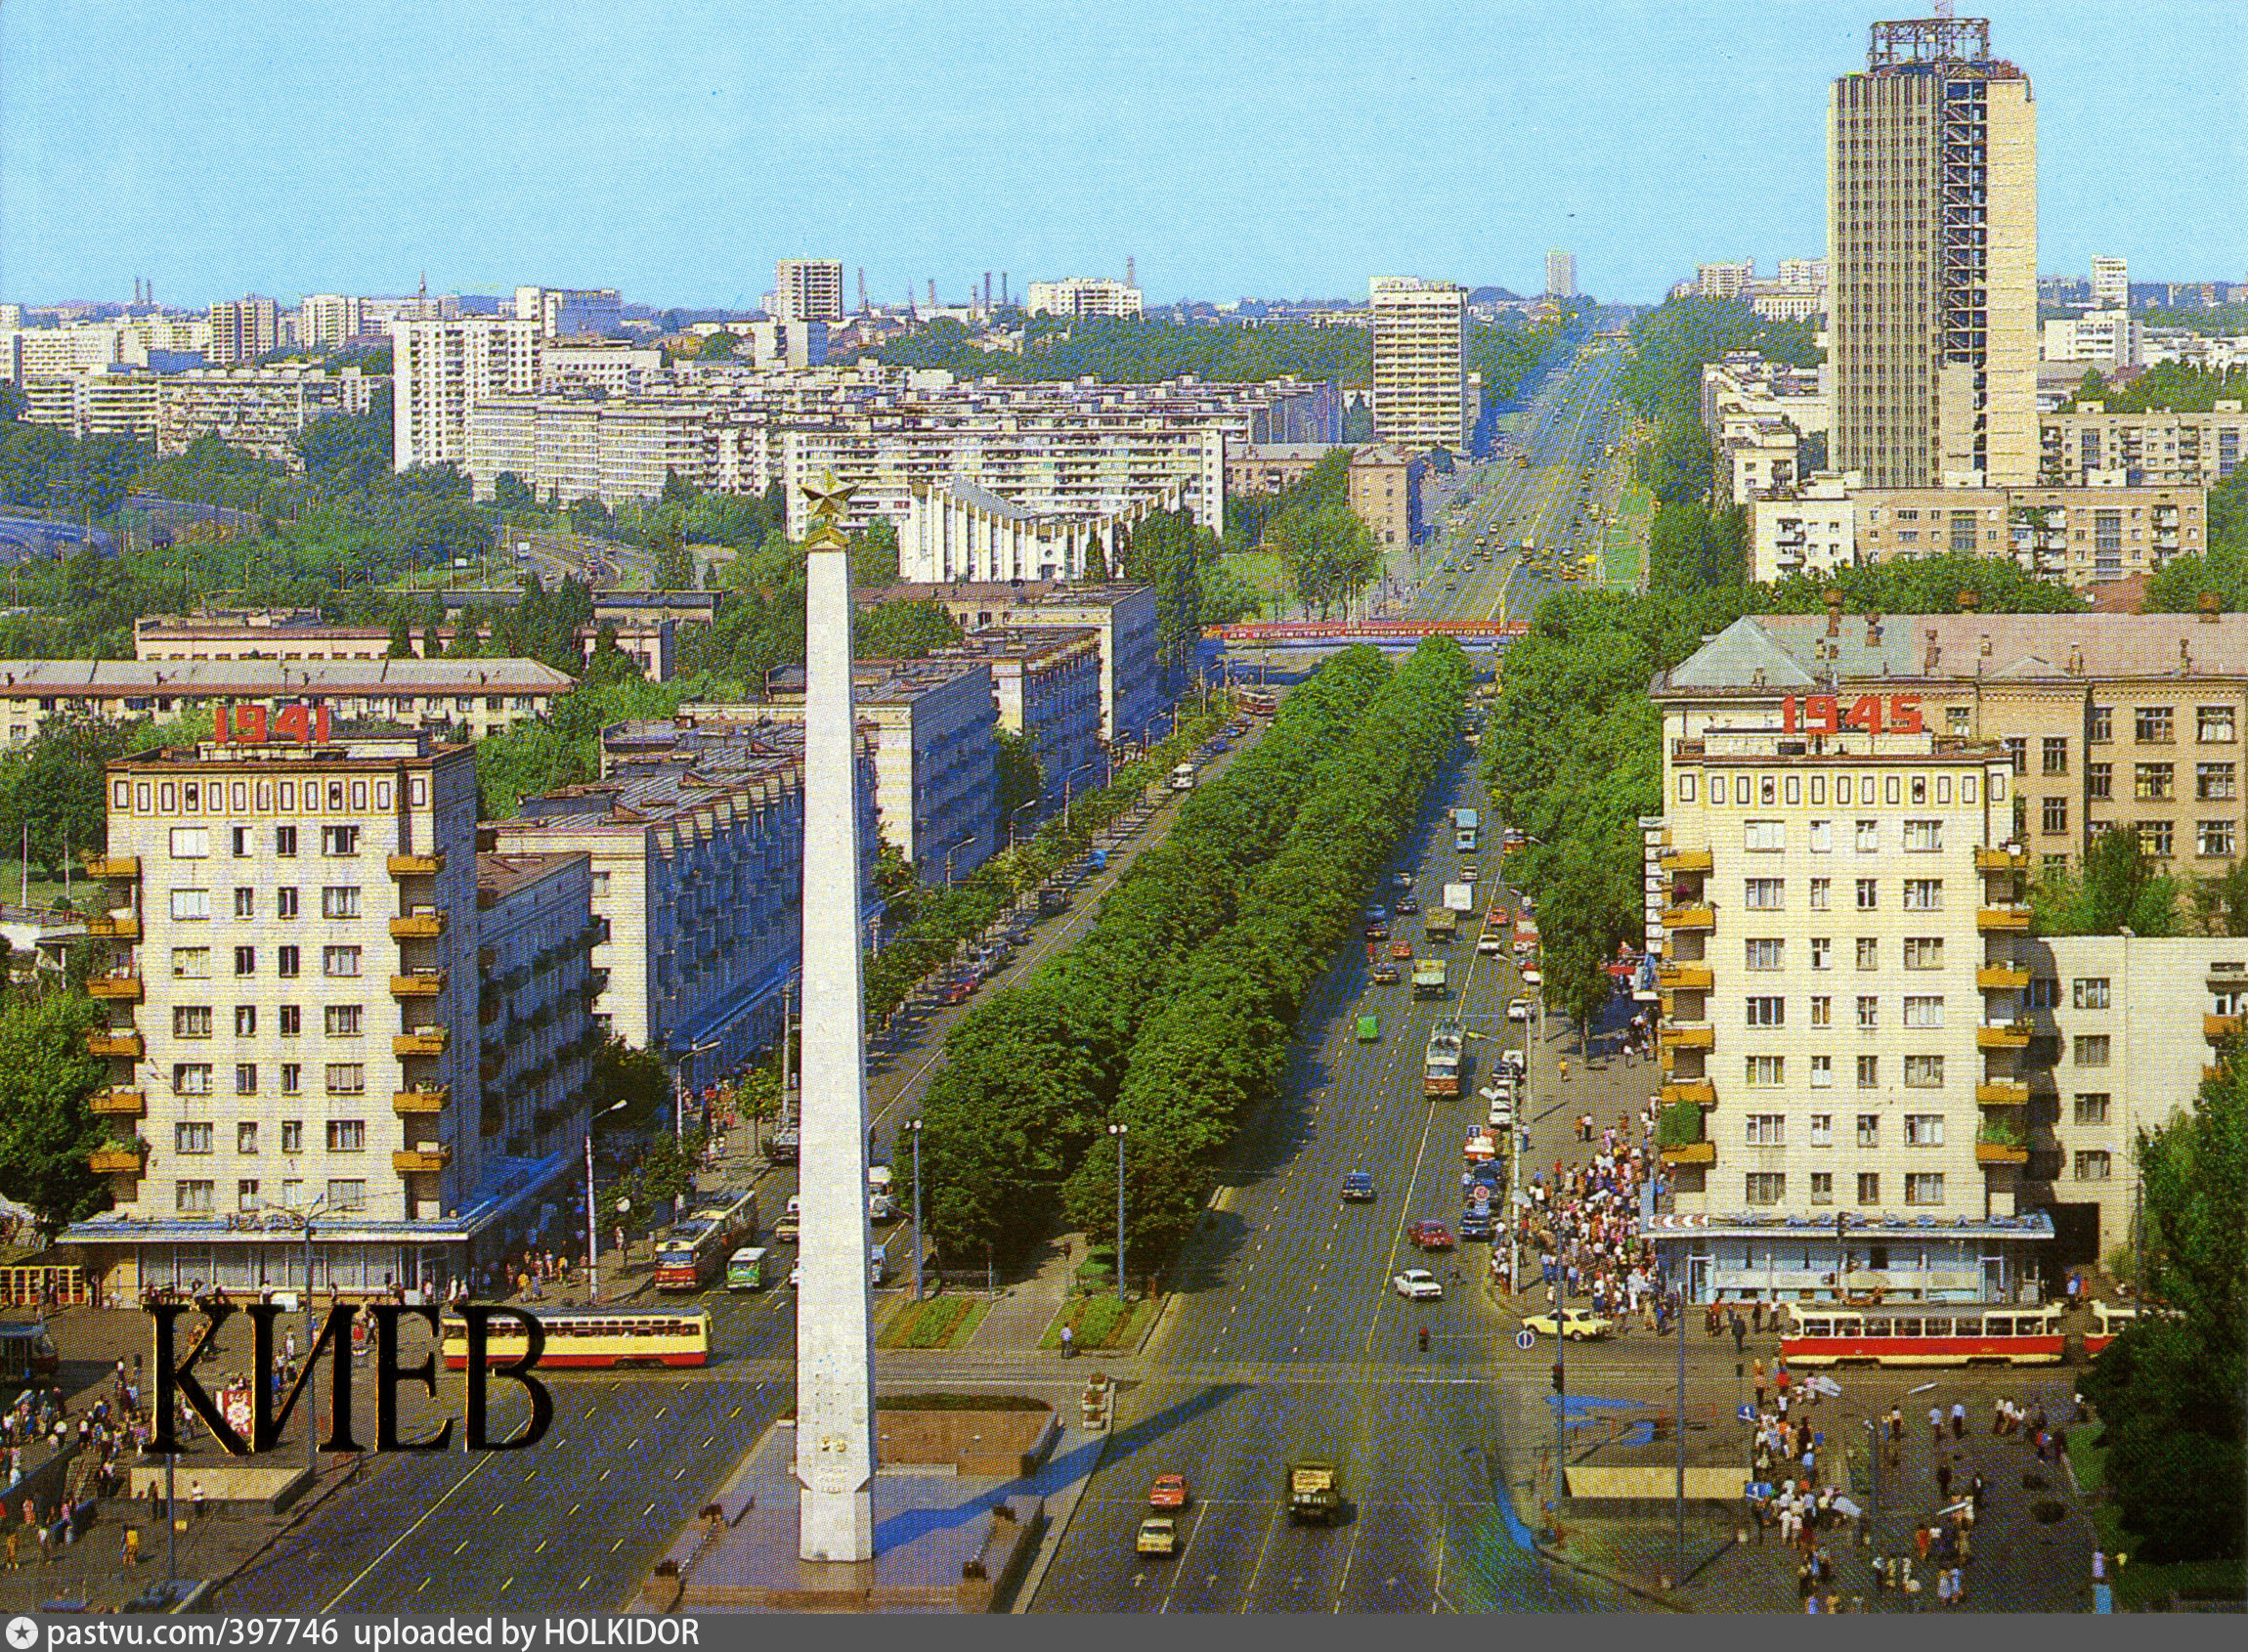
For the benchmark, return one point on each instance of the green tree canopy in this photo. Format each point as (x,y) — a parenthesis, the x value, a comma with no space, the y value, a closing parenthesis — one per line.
(46,1127)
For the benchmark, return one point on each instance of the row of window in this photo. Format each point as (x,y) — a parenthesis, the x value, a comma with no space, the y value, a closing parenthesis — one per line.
(194,963)
(1769,837)
(1770,1072)
(1921,1010)
(1770,952)
(194,1078)
(2156,726)
(194,843)
(1767,790)
(242,796)
(1770,1186)
(344,1135)
(1770,1130)
(336,901)
(197,1199)
(1770,895)
(340,1021)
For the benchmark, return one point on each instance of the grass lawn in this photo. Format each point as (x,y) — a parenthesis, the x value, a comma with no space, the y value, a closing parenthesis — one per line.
(84,892)
(1098,1322)
(940,1322)
(1264,573)
(2143,1588)
(1626,538)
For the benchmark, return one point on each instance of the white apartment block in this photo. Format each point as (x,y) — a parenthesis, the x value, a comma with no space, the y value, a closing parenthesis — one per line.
(807,290)
(1839,922)
(292,990)
(291,635)
(473,698)
(2093,448)
(1803,273)
(1756,412)
(324,319)
(1084,295)
(261,410)
(2111,284)
(1724,279)
(535,1029)
(1560,274)
(614,368)
(111,400)
(47,351)
(563,312)
(443,369)
(243,330)
(2101,338)
(1811,530)
(958,531)
(1421,396)
(1046,685)
(583,446)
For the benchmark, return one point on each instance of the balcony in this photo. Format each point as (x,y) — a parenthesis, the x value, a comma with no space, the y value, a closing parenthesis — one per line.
(2006,1035)
(2003,978)
(420,983)
(421,1162)
(2002,861)
(418,926)
(2000,1152)
(118,1159)
(1699,1090)
(2001,1093)
(1691,1152)
(1684,978)
(417,865)
(2217,1028)
(121,926)
(422,1099)
(429,1041)
(1689,917)
(2005,920)
(1686,860)
(123,989)
(119,1103)
(114,866)
(123,1046)
(1688,1036)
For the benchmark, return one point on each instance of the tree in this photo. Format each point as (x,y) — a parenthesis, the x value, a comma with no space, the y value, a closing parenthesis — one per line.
(610,664)
(510,493)
(673,563)
(904,629)
(622,1073)
(2117,888)
(717,346)
(348,451)
(53,787)
(400,637)
(1021,782)
(47,1128)
(1329,551)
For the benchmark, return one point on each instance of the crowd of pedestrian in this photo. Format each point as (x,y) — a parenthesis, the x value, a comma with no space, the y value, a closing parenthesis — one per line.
(1582,1226)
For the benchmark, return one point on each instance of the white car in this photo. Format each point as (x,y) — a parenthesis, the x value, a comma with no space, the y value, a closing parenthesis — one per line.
(1532,976)
(1518,1008)
(1417,1283)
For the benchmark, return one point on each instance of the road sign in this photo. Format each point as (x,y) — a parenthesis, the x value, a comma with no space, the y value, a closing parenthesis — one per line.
(1526,1339)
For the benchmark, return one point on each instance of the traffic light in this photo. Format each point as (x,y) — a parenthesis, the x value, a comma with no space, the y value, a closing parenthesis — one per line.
(1557,1380)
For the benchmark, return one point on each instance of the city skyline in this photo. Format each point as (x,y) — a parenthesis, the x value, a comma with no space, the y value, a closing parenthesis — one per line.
(1449,143)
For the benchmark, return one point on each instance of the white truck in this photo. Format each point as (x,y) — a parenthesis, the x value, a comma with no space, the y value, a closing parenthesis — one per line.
(1183,777)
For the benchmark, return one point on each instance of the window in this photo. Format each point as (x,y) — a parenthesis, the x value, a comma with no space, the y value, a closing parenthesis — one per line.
(1869,1072)
(1868,952)
(1869,1130)
(285,903)
(247,1137)
(1869,836)
(193,1198)
(1923,1073)
(245,960)
(1822,952)
(292,1135)
(1685,796)
(1763,837)
(245,1021)
(190,963)
(351,1195)
(337,842)
(1869,1012)
(2094,1164)
(242,845)
(2091,992)
(2100,781)
(192,1078)
(1766,954)
(2091,1107)
(1822,1011)
(340,960)
(1923,836)
(1822,1072)
(190,1021)
(1765,1072)
(1925,1011)
(2102,727)
(1924,1187)
(286,962)
(1822,833)
(1924,952)
(2151,781)
(343,1020)
(340,901)
(190,905)
(1765,894)
(1767,1012)
(2157,837)
(2214,782)
(2055,753)
(1819,893)
(2017,753)
(2053,816)
(2151,725)
(246,1195)
(1767,1187)
(2213,724)
(192,1138)
(291,1020)
(347,1135)
(1822,1130)
(600,885)
(292,1084)
(284,841)
(2091,1049)
(2212,837)
(1924,894)
(1869,1187)
(245,1078)
(1822,1186)
(190,842)
(1869,893)
(1767,1130)
(346,1078)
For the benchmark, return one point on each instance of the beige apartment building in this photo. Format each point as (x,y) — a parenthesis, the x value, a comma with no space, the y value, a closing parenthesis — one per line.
(300,633)
(2084,536)
(2092,447)
(1420,390)
(536,1035)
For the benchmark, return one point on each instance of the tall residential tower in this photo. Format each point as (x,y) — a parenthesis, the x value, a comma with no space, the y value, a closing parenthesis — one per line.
(1931,243)
(1421,364)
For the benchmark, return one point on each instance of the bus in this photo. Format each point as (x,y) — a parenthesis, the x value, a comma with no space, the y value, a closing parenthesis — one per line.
(1944,1335)
(750,1268)
(595,1338)
(692,1254)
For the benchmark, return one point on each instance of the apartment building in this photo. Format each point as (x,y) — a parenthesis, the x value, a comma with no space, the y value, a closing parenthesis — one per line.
(243,330)
(1560,274)
(695,833)
(566,312)
(807,290)
(1811,528)
(1046,684)
(471,698)
(586,363)
(1724,279)
(324,319)
(1084,295)
(1421,399)
(1272,467)
(1838,915)
(1383,487)
(261,410)
(2111,284)
(117,400)
(955,530)
(1756,413)
(310,910)
(2092,447)
(443,369)
(587,445)
(536,1035)
(2107,339)
(301,634)
(1121,617)
(1931,242)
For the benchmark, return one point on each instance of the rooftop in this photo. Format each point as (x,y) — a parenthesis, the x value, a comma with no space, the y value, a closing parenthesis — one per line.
(499,875)
(192,678)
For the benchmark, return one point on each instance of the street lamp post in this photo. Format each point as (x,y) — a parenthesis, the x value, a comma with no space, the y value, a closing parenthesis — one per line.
(964,842)
(1119,1131)
(1020,808)
(914,1124)
(680,1084)
(592,1214)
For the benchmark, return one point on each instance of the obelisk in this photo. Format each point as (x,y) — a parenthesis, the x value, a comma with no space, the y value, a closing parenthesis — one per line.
(835,1300)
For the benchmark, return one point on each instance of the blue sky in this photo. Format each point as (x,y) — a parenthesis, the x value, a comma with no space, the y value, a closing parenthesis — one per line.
(1235,146)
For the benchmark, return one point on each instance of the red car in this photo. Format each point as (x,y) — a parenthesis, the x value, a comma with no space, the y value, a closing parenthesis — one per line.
(1167,1491)
(1430,1236)
(959,992)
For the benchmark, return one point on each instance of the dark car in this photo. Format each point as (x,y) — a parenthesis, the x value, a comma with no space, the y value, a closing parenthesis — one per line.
(1430,1236)
(1358,1187)
(1407,906)
(1475,1223)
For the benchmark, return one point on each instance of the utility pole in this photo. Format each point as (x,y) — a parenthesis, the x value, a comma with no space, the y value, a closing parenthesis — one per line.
(914,1124)
(1118,1131)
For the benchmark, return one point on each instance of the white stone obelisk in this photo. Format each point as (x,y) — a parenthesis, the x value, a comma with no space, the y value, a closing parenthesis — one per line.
(835,1303)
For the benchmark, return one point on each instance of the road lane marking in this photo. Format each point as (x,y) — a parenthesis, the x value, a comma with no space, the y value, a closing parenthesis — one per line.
(425,1520)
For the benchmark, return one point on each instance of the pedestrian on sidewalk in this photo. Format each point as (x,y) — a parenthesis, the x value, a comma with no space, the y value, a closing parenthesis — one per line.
(1936,1428)
(1759,1378)
(1959,1419)
(131,1555)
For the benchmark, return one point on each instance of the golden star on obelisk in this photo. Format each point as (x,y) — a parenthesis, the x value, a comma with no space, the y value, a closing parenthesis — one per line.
(828,497)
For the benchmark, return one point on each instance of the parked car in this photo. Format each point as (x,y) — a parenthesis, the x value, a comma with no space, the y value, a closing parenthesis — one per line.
(1417,1284)
(1430,1236)
(1475,1223)
(1518,1008)
(1407,906)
